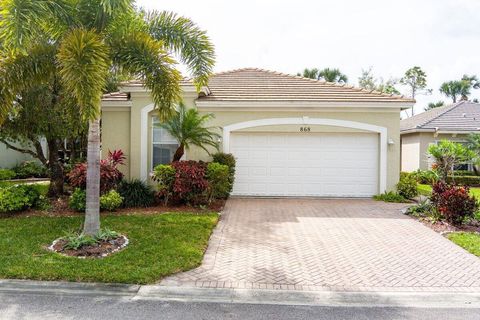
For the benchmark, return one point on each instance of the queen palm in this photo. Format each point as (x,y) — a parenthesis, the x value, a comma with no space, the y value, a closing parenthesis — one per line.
(80,43)
(189,128)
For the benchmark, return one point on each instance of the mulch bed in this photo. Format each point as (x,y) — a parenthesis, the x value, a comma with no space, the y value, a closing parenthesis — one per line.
(99,250)
(444,227)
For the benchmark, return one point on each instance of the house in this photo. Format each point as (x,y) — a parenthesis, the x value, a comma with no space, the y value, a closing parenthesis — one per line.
(291,136)
(454,122)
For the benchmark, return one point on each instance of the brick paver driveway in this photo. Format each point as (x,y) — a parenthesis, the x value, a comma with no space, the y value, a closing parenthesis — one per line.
(318,244)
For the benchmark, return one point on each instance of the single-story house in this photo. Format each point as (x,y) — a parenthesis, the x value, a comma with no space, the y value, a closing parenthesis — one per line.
(453,122)
(291,136)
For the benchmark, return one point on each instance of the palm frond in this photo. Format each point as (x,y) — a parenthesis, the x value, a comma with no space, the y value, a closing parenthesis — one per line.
(25,20)
(187,40)
(144,57)
(98,14)
(84,66)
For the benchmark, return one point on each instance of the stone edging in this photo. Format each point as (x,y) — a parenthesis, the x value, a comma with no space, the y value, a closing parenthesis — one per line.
(51,248)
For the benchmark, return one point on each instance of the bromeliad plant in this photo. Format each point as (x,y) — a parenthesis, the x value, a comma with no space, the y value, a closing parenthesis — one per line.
(76,45)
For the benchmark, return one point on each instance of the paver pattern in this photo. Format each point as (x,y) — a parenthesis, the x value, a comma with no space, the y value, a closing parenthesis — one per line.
(319,244)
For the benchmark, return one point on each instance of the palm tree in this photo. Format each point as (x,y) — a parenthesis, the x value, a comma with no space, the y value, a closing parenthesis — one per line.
(332,75)
(433,105)
(452,89)
(187,126)
(80,42)
(309,73)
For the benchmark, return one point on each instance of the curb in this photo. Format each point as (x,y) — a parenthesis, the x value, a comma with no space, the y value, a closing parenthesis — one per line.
(246,296)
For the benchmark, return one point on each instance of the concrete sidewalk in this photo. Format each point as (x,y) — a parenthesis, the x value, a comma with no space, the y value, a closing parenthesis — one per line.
(246,296)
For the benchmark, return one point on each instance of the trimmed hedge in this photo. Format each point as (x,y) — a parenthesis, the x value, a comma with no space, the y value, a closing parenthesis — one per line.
(464,180)
(7,174)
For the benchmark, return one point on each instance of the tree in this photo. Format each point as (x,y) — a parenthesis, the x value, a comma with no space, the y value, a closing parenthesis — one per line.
(41,113)
(326,74)
(188,127)
(456,89)
(473,143)
(87,39)
(433,105)
(416,79)
(368,81)
(447,154)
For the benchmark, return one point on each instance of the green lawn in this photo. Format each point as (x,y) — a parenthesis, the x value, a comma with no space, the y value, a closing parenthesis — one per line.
(426,190)
(467,240)
(159,245)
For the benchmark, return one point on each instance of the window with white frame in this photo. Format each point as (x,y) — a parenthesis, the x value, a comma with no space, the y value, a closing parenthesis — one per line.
(163,144)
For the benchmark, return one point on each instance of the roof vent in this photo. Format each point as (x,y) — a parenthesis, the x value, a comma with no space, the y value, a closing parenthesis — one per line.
(464,115)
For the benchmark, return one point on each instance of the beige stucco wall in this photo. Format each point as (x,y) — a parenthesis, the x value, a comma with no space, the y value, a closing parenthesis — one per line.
(415,148)
(123,129)
(9,158)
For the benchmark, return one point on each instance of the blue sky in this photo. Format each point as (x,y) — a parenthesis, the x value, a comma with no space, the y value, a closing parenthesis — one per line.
(442,36)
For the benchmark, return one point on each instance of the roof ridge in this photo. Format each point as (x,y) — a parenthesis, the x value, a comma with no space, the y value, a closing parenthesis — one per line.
(447,109)
(335,84)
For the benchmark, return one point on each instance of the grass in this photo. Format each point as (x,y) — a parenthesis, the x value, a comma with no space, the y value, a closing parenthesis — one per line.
(390,197)
(159,245)
(468,240)
(426,190)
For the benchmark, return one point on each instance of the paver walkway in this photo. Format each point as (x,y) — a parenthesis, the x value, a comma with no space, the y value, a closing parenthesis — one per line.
(319,244)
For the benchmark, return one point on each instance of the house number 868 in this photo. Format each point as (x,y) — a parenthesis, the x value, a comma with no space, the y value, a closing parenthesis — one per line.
(304,129)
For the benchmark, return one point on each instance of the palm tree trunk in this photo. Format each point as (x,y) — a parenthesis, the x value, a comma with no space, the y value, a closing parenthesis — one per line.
(179,153)
(92,212)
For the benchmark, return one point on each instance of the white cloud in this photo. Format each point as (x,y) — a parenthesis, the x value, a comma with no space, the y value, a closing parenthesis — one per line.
(441,36)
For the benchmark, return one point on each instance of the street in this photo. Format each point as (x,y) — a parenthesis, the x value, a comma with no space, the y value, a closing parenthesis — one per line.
(35,306)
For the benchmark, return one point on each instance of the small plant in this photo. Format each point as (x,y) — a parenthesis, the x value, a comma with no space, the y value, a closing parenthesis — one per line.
(453,202)
(229,160)
(190,184)
(136,193)
(425,176)
(12,199)
(75,241)
(106,235)
(30,169)
(111,201)
(78,200)
(218,179)
(110,175)
(390,197)
(423,209)
(407,186)
(7,174)
(164,174)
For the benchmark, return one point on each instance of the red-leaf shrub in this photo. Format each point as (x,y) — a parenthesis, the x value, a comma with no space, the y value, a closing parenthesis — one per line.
(110,176)
(190,184)
(453,202)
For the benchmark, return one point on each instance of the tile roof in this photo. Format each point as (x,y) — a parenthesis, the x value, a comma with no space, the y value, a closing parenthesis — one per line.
(252,84)
(462,116)
(116,96)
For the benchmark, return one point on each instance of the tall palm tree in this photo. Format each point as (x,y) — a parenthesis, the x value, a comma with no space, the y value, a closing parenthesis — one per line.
(309,73)
(332,75)
(81,42)
(452,89)
(189,128)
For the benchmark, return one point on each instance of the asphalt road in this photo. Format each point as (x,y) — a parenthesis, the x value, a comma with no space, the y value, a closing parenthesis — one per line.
(32,306)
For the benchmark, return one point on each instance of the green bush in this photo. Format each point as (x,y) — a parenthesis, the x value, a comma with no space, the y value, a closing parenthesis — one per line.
(425,176)
(228,160)
(390,197)
(7,174)
(30,169)
(21,197)
(111,201)
(78,200)
(136,193)
(164,174)
(464,180)
(464,173)
(407,186)
(218,178)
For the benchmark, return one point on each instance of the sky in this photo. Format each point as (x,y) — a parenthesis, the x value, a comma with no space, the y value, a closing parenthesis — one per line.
(440,36)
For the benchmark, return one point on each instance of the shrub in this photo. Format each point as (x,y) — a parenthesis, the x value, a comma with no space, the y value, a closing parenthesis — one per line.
(78,200)
(164,174)
(110,175)
(136,193)
(21,197)
(464,173)
(190,184)
(218,179)
(407,186)
(7,174)
(464,180)
(228,160)
(111,201)
(453,202)
(30,169)
(425,176)
(390,197)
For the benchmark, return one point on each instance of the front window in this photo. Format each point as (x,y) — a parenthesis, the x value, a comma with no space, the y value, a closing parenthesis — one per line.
(164,145)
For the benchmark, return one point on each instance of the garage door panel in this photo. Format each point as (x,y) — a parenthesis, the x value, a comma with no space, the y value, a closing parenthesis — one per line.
(310,164)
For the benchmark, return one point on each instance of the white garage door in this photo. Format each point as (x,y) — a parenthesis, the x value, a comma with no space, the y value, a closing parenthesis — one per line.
(306,164)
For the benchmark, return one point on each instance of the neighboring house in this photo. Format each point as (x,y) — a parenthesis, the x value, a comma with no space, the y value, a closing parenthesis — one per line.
(291,136)
(9,158)
(454,122)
